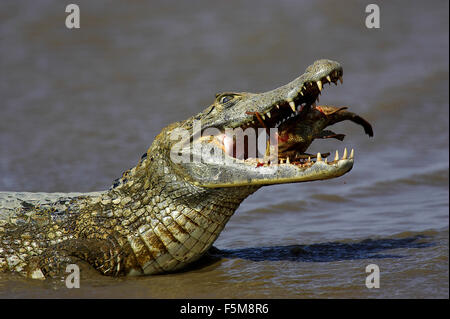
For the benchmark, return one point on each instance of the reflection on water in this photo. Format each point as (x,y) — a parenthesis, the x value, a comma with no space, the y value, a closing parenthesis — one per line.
(326,252)
(79,107)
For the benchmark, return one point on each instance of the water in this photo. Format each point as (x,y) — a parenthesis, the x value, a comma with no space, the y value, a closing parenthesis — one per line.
(78,107)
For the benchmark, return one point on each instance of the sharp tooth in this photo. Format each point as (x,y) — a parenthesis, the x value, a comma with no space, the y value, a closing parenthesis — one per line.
(319,157)
(292,105)
(328,78)
(352,153)
(345,154)
(278,106)
(267,149)
(268,114)
(301,93)
(309,159)
(341,80)
(263,117)
(281,161)
(287,160)
(319,84)
(336,157)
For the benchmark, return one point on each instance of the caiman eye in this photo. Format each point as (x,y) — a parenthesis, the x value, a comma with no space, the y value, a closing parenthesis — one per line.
(225,99)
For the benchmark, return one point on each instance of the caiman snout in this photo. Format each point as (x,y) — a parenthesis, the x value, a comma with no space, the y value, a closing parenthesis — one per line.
(291,120)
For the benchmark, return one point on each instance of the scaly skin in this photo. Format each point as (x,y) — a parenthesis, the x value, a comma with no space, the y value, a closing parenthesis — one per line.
(162,215)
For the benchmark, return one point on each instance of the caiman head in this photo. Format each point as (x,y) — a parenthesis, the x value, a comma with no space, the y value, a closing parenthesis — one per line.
(248,139)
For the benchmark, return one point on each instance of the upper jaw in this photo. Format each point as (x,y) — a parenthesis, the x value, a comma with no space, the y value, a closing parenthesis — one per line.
(276,106)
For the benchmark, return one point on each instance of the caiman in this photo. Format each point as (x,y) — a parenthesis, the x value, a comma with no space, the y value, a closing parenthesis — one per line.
(167,211)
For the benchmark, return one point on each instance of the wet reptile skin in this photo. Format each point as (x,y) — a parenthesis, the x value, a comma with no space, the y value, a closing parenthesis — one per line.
(151,222)
(160,216)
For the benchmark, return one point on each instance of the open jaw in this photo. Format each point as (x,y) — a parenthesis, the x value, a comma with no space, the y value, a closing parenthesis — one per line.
(285,122)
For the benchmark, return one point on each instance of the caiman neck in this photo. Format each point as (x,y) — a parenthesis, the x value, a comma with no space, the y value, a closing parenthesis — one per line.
(165,221)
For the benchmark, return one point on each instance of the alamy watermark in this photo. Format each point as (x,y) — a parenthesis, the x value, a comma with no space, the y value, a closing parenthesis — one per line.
(223,147)
(373,280)
(373,18)
(73,279)
(73,18)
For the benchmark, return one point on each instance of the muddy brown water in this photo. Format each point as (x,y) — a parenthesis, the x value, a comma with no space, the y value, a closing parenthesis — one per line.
(78,107)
